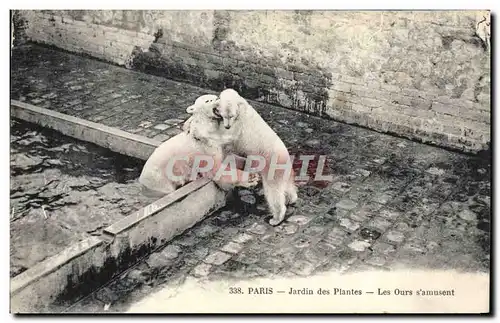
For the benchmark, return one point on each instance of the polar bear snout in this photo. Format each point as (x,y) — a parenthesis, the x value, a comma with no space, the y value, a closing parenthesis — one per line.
(228,122)
(215,111)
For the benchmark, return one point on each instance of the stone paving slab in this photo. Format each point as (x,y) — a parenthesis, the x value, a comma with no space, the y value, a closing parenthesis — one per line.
(392,202)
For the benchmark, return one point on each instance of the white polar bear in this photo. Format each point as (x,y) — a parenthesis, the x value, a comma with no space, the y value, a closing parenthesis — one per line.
(251,136)
(205,127)
(179,153)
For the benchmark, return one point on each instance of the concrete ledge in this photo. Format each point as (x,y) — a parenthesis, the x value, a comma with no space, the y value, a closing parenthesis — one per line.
(60,280)
(135,218)
(83,267)
(46,267)
(114,139)
(38,286)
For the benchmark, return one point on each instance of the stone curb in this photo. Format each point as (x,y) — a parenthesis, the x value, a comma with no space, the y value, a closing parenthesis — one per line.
(108,137)
(88,264)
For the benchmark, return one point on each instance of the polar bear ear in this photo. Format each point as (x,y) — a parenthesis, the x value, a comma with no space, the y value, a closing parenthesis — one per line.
(191,108)
(241,102)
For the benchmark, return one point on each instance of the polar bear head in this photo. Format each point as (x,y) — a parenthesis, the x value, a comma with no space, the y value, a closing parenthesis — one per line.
(229,106)
(204,100)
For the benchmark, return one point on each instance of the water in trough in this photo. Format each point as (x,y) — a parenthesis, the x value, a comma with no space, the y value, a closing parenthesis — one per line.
(63,190)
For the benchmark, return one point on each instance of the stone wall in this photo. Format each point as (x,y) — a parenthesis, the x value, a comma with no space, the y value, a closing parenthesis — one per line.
(423,75)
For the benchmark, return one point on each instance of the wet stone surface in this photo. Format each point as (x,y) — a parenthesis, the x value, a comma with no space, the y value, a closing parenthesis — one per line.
(62,191)
(392,202)
(100,92)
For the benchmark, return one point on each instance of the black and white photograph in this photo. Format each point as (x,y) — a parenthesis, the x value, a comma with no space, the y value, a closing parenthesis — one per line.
(250,161)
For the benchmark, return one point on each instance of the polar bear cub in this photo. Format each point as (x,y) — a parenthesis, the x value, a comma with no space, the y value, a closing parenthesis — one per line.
(251,136)
(170,166)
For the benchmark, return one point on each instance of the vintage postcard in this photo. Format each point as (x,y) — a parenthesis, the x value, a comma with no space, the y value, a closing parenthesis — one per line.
(250,161)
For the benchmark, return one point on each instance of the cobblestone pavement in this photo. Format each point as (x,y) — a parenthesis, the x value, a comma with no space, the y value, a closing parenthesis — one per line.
(96,91)
(393,202)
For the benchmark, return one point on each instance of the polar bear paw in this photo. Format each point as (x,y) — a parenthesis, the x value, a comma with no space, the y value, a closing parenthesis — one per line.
(253,180)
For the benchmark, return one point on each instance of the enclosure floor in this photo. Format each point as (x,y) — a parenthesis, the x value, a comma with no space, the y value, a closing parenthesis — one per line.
(393,203)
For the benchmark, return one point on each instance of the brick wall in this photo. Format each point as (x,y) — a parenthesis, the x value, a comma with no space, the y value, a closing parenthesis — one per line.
(423,75)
